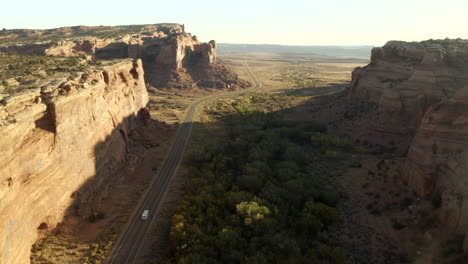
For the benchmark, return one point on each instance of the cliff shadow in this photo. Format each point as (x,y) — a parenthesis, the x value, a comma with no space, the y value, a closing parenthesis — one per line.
(125,163)
(112,51)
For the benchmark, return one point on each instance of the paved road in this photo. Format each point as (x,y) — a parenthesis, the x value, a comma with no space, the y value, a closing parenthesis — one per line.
(126,248)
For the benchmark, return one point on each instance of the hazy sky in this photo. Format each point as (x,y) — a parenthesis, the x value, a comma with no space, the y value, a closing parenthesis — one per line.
(299,22)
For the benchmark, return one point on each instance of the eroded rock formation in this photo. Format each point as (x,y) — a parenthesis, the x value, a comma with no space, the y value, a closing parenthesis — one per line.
(56,138)
(421,92)
(170,55)
(437,161)
(404,80)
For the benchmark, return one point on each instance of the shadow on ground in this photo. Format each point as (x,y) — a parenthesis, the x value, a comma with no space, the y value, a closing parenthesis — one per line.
(125,164)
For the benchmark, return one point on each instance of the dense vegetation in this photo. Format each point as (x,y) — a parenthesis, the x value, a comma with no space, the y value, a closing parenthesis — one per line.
(264,194)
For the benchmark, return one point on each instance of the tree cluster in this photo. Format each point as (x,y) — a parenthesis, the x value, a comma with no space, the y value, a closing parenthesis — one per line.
(264,195)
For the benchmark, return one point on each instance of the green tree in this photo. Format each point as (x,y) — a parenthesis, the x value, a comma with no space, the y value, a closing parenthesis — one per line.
(325,213)
(251,211)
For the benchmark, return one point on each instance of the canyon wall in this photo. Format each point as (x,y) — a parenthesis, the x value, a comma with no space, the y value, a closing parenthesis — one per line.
(405,79)
(56,138)
(421,91)
(437,161)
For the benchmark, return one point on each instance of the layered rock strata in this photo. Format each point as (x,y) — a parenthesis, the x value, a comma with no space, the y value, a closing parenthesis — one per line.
(405,79)
(56,138)
(421,91)
(170,56)
(437,161)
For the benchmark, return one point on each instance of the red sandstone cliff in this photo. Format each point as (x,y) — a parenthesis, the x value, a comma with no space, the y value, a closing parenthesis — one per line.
(404,80)
(421,91)
(56,138)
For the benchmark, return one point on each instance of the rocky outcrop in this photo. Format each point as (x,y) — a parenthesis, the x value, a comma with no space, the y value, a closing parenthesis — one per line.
(207,52)
(55,139)
(178,51)
(421,90)
(405,79)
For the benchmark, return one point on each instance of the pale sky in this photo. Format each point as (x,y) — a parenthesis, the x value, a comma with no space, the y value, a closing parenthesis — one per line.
(290,22)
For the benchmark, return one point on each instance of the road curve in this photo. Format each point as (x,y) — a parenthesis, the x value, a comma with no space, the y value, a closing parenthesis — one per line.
(126,248)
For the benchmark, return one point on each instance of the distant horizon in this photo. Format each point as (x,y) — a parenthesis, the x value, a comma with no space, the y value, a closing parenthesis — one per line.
(233,43)
(303,45)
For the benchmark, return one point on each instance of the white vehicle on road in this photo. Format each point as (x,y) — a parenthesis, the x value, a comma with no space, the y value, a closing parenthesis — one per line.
(145,214)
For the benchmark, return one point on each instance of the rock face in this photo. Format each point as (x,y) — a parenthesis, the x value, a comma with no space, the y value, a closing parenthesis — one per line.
(56,138)
(437,161)
(169,54)
(405,79)
(421,90)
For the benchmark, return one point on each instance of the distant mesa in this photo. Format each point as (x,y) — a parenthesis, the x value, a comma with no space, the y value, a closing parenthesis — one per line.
(171,57)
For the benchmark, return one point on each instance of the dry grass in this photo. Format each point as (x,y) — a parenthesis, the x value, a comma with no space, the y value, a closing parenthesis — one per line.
(281,71)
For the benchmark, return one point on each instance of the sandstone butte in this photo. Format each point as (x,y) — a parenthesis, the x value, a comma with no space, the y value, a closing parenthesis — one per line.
(69,132)
(421,94)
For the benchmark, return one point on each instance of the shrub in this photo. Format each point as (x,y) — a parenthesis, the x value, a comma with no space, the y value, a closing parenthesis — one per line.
(330,154)
(251,211)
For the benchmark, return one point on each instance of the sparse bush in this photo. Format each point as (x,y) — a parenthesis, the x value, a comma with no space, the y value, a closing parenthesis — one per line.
(407,201)
(355,164)
(397,225)
(330,154)
(101,215)
(436,200)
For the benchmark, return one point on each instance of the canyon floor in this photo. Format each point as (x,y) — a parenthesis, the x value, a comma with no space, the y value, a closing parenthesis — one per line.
(382,221)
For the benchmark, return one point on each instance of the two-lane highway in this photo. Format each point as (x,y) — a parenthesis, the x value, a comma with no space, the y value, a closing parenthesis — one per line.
(126,248)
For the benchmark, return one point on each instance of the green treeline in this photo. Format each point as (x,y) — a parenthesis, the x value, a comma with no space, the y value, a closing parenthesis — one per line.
(264,194)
